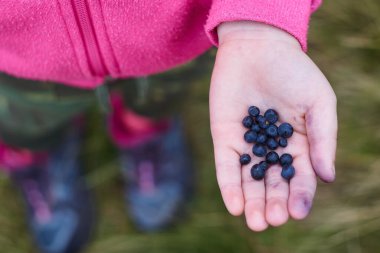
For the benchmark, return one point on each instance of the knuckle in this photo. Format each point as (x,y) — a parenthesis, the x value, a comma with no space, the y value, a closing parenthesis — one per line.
(228,174)
(228,187)
(226,167)
(273,179)
(255,199)
(274,184)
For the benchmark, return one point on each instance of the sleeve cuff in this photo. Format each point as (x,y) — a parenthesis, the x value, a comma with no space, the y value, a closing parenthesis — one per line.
(291,16)
(315,5)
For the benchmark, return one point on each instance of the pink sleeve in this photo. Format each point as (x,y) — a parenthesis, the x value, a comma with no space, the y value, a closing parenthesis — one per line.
(315,4)
(291,16)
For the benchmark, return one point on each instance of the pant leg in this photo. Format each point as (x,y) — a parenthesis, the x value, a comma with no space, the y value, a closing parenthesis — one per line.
(144,107)
(35,114)
(161,95)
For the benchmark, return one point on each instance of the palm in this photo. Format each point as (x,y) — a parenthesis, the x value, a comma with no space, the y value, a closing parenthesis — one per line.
(300,93)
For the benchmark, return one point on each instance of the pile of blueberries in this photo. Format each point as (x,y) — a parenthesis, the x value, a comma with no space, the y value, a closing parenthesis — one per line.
(266,135)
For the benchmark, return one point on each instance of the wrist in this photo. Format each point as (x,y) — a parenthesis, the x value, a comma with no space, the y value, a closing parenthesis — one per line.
(259,34)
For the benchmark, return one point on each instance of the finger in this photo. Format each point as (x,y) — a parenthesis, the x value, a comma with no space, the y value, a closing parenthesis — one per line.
(254,194)
(277,193)
(321,127)
(228,172)
(302,188)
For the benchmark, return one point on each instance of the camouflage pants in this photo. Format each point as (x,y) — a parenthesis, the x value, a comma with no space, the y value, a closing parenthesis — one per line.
(35,114)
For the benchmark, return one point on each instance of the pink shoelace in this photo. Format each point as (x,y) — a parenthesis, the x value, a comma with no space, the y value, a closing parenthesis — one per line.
(146,177)
(128,129)
(13,159)
(37,201)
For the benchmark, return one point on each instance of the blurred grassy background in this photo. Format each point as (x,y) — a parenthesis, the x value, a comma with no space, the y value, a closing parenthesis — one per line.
(345,42)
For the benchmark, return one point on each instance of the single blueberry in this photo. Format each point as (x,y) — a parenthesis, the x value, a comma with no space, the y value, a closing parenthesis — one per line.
(261,138)
(253,111)
(245,159)
(264,165)
(285,130)
(257,172)
(288,172)
(272,144)
(271,116)
(271,131)
(259,150)
(282,142)
(286,159)
(263,123)
(255,127)
(272,157)
(247,122)
(250,136)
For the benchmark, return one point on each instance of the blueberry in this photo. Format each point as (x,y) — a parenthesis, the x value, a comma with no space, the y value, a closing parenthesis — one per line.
(271,131)
(272,157)
(272,144)
(285,130)
(245,159)
(261,138)
(247,122)
(264,165)
(288,172)
(263,123)
(282,142)
(255,127)
(257,172)
(250,136)
(286,159)
(253,111)
(259,150)
(271,116)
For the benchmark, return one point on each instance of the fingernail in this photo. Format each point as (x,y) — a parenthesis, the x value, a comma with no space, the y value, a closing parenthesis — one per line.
(236,202)
(259,221)
(278,215)
(235,206)
(302,206)
(278,211)
(256,221)
(257,216)
(333,170)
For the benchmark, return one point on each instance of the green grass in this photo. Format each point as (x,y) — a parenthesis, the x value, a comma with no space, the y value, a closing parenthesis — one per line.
(345,43)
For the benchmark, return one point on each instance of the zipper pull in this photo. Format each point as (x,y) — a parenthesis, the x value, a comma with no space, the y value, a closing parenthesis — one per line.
(103,96)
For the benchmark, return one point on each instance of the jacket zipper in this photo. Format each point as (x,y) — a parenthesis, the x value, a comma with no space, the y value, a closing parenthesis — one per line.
(94,56)
(83,18)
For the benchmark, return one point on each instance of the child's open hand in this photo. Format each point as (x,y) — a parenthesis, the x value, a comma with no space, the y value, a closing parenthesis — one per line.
(260,65)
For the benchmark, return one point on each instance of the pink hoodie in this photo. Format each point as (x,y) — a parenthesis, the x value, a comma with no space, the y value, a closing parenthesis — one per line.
(80,42)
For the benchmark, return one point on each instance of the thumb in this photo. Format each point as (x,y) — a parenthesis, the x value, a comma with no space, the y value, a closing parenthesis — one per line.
(322,127)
